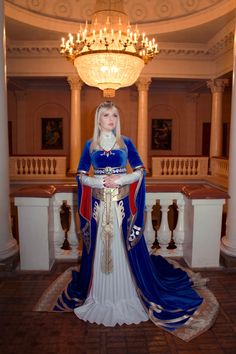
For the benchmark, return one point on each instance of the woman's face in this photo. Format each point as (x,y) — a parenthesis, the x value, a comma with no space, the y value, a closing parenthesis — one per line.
(108,120)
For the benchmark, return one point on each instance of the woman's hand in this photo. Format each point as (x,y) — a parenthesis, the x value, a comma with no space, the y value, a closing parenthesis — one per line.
(111,181)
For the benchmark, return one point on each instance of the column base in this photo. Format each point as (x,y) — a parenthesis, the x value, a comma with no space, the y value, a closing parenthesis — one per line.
(226,248)
(227,261)
(10,264)
(9,251)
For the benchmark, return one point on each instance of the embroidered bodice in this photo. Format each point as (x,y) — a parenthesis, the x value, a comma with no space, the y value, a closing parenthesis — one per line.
(102,157)
(108,154)
(116,158)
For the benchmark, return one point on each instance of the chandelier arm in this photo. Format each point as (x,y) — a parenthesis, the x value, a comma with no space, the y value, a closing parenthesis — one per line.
(103,42)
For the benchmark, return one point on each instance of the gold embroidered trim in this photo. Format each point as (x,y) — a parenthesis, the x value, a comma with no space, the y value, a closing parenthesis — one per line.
(116,193)
(107,233)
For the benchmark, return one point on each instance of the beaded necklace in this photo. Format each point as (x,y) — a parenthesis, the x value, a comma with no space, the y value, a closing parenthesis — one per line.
(109,152)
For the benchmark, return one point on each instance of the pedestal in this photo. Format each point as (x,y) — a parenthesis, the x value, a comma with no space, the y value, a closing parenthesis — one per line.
(36,242)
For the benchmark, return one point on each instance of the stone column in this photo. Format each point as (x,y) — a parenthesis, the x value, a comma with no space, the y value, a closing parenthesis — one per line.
(75,127)
(217,88)
(228,242)
(8,245)
(142,139)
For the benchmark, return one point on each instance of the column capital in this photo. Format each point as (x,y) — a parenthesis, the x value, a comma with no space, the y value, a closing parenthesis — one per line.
(75,82)
(217,85)
(143,83)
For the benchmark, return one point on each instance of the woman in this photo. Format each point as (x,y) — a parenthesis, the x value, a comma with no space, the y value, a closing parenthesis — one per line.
(118,282)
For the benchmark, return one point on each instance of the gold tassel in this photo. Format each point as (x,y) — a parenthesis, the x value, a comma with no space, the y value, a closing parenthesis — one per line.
(107,235)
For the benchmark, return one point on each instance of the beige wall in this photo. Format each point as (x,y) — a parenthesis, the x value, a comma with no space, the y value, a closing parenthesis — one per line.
(26,108)
(187,111)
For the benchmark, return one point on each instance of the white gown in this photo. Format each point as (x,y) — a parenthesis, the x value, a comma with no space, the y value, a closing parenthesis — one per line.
(112,297)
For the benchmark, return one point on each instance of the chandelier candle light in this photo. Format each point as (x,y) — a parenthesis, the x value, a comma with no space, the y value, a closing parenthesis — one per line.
(108,54)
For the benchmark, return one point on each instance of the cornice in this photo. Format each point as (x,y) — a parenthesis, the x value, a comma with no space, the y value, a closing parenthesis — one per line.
(32,50)
(210,51)
(223,40)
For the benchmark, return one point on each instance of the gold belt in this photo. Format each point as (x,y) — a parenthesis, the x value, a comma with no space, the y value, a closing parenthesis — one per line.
(115,193)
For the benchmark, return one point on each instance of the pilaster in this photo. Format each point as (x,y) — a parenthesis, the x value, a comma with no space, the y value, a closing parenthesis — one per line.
(143,84)
(217,88)
(75,127)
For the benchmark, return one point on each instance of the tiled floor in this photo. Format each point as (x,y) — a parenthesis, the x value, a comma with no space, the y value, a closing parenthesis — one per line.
(23,331)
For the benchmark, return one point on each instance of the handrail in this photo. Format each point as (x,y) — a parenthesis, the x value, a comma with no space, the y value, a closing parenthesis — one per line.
(219,167)
(198,208)
(28,167)
(180,166)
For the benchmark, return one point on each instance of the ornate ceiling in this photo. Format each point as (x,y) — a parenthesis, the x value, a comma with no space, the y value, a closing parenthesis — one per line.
(139,11)
(201,31)
(154,16)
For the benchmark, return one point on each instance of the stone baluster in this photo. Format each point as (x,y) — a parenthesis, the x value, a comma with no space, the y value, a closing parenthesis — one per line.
(178,233)
(58,231)
(177,164)
(165,167)
(164,232)
(149,232)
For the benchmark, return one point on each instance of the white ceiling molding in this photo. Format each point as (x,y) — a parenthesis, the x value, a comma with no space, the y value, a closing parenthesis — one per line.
(196,33)
(153,17)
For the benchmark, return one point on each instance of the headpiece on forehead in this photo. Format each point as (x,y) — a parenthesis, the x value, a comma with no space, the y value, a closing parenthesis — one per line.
(106,105)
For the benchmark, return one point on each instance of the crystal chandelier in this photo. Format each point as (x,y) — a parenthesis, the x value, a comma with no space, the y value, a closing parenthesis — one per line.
(108,53)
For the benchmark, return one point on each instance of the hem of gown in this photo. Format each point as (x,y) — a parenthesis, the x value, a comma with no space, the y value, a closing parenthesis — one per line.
(201,321)
(110,314)
(204,317)
(49,297)
(111,325)
(116,324)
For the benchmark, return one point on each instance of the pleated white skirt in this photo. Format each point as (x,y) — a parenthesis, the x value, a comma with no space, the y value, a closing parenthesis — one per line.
(112,298)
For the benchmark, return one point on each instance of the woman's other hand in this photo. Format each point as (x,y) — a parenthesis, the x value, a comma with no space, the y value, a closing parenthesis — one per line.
(111,181)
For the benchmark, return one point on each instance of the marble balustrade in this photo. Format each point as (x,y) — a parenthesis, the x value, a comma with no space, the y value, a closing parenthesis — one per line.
(219,167)
(195,236)
(180,166)
(30,167)
(171,167)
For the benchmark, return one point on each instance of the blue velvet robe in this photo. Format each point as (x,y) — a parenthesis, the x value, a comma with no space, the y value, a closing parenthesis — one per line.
(165,291)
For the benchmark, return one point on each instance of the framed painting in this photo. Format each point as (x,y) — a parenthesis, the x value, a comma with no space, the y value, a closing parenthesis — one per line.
(52,134)
(161,134)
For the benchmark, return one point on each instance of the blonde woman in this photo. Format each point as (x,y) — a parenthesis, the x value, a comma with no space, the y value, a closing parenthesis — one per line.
(118,282)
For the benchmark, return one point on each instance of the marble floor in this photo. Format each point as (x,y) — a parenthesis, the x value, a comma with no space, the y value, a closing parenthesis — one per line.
(23,331)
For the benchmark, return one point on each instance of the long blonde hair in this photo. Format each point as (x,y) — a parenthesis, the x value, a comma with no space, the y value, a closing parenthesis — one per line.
(101,109)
